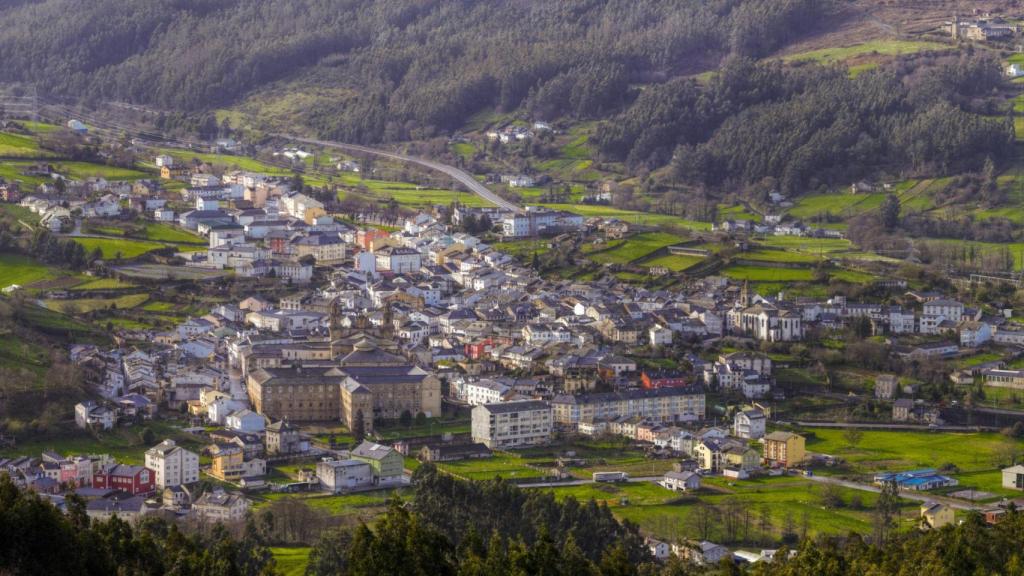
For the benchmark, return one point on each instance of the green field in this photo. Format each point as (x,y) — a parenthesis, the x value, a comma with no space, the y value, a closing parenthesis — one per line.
(18,146)
(974,453)
(104,284)
(85,305)
(113,248)
(667,515)
(840,204)
(159,232)
(522,248)
(636,247)
(810,245)
(673,262)
(124,444)
(764,274)
(83,170)
(236,162)
(291,561)
(875,47)
(779,256)
(22,270)
(630,216)
(507,466)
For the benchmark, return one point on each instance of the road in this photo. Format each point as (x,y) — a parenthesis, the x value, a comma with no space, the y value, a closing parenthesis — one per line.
(458,175)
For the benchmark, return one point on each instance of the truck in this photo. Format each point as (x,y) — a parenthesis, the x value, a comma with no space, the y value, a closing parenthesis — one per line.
(611,477)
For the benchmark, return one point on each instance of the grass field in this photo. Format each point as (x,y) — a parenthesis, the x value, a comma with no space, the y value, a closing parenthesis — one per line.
(667,515)
(636,247)
(844,205)
(974,453)
(779,256)
(22,270)
(673,262)
(159,232)
(522,248)
(291,561)
(875,47)
(92,304)
(810,245)
(764,274)
(124,444)
(507,466)
(113,248)
(632,217)
(237,162)
(104,284)
(18,146)
(83,170)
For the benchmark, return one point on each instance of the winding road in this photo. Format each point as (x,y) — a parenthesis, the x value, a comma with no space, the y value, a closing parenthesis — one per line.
(456,174)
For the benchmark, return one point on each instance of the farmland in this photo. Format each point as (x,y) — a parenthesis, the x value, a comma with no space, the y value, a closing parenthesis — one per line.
(759,274)
(291,561)
(112,248)
(18,146)
(976,455)
(92,304)
(673,262)
(22,270)
(635,248)
(872,48)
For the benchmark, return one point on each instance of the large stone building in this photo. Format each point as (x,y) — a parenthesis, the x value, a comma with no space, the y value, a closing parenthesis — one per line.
(381,384)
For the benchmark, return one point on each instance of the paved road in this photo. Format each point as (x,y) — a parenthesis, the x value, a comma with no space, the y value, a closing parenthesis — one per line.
(460,176)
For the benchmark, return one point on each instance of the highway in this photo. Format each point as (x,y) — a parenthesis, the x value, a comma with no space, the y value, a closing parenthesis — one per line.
(467,180)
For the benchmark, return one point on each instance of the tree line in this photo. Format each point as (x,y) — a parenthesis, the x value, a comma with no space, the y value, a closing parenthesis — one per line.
(766,125)
(396,70)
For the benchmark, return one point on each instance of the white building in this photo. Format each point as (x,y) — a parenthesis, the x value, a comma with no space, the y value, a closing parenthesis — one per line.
(246,421)
(398,259)
(90,413)
(749,424)
(342,475)
(485,392)
(1013,477)
(172,464)
(220,506)
(512,424)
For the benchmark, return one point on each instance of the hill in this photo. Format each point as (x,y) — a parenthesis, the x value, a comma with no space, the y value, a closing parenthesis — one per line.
(373,70)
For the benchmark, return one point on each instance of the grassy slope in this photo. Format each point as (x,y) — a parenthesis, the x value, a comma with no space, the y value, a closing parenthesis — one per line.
(15,269)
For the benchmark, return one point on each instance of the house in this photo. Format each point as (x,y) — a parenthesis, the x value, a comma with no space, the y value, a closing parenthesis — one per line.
(917,480)
(163,160)
(343,475)
(219,505)
(681,481)
(512,424)
(886,386)
(176,498)
(660,550)
(935,515)
(134,480)
(703,553)
(129,509)
(453,452)
(284,438)
(387,464)
(902,410)
(172,464)
(229,464)
(749,424)
(245,420)
(783,449)
(90,414)
(1013,477)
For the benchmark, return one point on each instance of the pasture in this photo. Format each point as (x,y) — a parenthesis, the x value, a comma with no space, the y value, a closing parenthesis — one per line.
(765,274)
(22,270)
(636,247)
(113,249)
(675,263)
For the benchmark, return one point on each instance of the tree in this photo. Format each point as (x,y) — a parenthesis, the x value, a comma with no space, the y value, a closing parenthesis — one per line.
(330,554)
(146,436)
(405,419)
(853,436)
(831,496)
(359,427)
(885,509)
(703,519)
(890,212)
(421,419)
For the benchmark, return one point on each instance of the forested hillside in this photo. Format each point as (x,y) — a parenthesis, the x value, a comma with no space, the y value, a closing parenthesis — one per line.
(401,69)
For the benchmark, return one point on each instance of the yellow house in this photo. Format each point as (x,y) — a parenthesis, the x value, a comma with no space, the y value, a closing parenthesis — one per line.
(784,449)
(228,462)
(741,458)
(935,515)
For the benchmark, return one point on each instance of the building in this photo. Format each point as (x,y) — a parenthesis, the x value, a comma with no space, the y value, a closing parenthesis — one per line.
(783,449)
(89,414)
(134,480)
(219,505)
(453,452)
(658,405)
(229,464)
(343,475)
(386,463)
(702,553)
(245,420)
(1013,477)
(172,464)
(935,515)
(131,509)
(398,259)
(886,386)
(681,481)
(512,424)
(284,438)
(916,480)
(749,424)
(1004,378)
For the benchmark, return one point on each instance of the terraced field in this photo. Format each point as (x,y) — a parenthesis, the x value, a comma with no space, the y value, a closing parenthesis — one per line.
(636,247)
